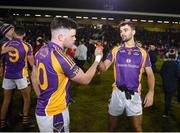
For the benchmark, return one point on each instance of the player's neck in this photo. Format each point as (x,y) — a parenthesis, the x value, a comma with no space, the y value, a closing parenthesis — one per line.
(130,43)
(9,37)
(19,37)
(57,42)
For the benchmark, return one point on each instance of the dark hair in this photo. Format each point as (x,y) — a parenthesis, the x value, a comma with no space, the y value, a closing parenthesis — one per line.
(123,23)
(63,23)
(41,41)
(20,30)
(172,53)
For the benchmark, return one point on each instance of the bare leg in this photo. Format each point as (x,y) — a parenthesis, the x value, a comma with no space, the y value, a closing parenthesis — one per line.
(27,100)
(137,123)
(5,105)
(112,122)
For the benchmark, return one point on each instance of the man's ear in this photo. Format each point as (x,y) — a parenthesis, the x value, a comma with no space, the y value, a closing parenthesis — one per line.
(134,32)
(60,37)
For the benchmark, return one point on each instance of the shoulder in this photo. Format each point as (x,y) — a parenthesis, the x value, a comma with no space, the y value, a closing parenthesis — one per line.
(43,52)
(58,52)
(143,51)
(116,48)
(26,43)
(63,57)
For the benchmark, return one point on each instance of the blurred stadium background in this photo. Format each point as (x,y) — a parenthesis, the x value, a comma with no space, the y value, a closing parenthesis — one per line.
(158,23)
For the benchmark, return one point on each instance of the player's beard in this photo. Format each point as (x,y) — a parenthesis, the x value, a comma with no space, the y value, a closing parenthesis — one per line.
(127,39)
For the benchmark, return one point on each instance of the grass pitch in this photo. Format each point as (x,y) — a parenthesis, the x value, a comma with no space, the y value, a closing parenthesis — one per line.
(88,113)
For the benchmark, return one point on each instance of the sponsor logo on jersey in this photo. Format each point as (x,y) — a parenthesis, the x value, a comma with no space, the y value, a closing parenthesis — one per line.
(128,60)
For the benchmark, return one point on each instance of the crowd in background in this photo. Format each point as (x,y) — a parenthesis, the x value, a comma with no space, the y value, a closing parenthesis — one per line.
(163,44)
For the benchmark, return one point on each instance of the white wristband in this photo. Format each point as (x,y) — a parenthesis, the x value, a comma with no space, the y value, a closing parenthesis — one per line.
(98,58)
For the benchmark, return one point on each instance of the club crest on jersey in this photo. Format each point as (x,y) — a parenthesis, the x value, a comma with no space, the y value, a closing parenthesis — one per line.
(128,60)
(136,53)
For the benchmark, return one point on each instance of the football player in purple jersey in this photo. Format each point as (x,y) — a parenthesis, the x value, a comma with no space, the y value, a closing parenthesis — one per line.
(129,62)
(52,72)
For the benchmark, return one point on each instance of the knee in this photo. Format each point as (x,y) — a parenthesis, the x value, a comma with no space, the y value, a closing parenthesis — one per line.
(26,94)
(7,98)
(138,127)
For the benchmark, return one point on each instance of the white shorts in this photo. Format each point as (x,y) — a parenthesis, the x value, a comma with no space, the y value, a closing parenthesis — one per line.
(55,123)
(9,84)
(119,103)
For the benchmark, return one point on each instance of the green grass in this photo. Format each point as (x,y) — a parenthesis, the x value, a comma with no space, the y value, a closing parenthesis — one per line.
(89,111)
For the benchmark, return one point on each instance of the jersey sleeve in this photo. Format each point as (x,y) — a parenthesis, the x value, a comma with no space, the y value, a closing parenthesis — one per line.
(69,67)
(30,50)
(112,53)
(147,61)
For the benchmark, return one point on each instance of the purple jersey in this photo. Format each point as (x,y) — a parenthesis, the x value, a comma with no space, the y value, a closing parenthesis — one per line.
(16,61)
(53,72)
(128,66)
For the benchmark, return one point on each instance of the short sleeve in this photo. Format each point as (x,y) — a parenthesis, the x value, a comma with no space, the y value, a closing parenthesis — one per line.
(69,67)
(112,53)
(30,50)
(147,61)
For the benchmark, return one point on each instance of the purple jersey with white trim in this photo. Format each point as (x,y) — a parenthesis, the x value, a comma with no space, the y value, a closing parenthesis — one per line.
(16,60)
(53,72)
(128,66)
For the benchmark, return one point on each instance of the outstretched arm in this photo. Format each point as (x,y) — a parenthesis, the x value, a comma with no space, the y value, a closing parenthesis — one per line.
(85,78)
(103,66)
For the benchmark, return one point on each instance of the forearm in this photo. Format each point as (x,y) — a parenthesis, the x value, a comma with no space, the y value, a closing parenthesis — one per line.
(35,87)
(31,60)
(85,78)
(1,69)
(92,70)
(90,73)
(151,82)
(102,67)
(34,82)
(3,51)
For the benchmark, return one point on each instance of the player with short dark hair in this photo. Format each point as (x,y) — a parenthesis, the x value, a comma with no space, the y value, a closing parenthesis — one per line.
(129,62)
(52,72)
